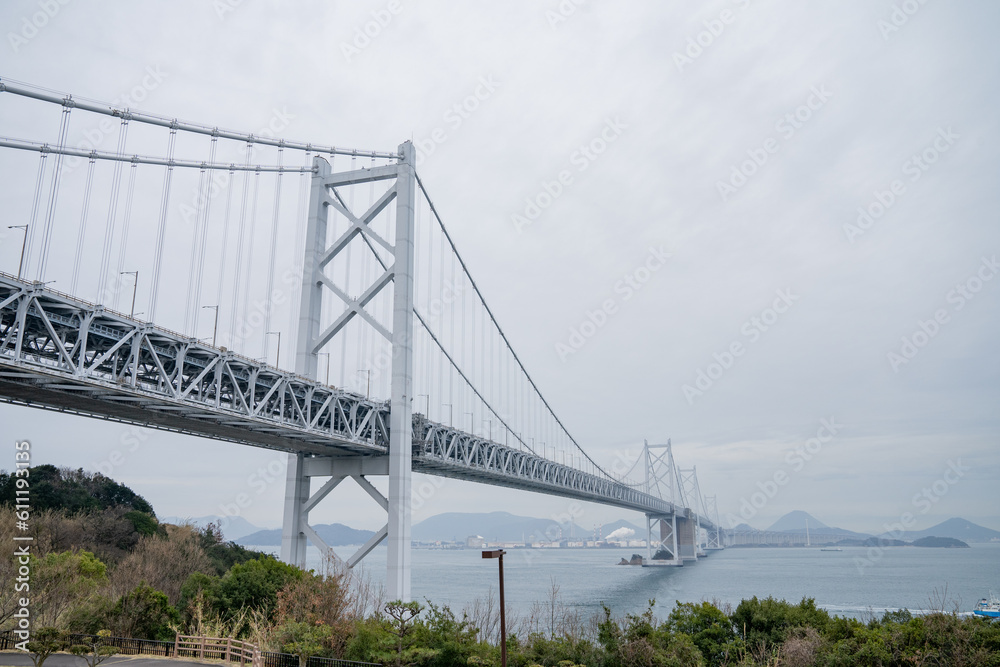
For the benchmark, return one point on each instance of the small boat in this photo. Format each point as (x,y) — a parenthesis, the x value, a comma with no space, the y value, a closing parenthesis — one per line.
(989,608)
(831,549)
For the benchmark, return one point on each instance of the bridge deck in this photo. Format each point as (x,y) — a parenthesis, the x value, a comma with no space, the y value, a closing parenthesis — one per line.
(61,353)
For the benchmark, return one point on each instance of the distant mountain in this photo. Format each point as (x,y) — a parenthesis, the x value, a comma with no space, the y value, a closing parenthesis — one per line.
(796,521)
(956,528)
(743,528)
(334,534)
(233,527)
(493,526)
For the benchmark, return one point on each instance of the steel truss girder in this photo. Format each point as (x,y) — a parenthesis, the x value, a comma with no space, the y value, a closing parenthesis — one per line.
(64,354)
(61,353)
(448,452)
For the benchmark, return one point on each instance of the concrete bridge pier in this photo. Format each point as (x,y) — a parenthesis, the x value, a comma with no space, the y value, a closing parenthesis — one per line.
(687,538)
(661,550)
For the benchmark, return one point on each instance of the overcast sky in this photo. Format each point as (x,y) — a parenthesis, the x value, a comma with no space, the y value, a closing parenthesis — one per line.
(742,138)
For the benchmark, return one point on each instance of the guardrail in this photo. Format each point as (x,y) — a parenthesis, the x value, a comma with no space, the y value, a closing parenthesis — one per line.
(202,648)
(216,648)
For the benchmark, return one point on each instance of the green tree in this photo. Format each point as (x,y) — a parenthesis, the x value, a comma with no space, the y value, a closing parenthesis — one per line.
(145,524)
(640,641)
(144,613)
(317,599)
(73,491)
(399,623)
(710,630)
(452,638)
(765,623)
(44,642)
(390,638)
(224,554)
(254,585)
(94,651)
(63,580)
(304,639)
(551,651)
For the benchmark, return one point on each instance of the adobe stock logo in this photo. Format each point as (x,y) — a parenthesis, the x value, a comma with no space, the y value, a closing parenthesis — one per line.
(899,17)
(30,27)
(455,116)
(366,34)
(753,329)
(626,287)
(927,330)
(914,167)
(796,459)
(581,158)
(701,42)
(757,156)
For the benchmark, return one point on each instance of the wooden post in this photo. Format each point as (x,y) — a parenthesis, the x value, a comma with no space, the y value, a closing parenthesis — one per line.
(201,652)
(177,641)
(229,647)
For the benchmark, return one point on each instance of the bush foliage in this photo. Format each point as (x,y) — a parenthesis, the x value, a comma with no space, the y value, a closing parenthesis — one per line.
(104,567)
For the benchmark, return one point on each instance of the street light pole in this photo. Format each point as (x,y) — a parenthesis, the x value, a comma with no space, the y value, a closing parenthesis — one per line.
(327,365)
(24,243)
(215,327)
(368,390)
(135,287)
(277,357)
(498,554)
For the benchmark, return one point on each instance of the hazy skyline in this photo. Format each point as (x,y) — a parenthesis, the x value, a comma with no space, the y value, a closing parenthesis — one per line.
(811,191)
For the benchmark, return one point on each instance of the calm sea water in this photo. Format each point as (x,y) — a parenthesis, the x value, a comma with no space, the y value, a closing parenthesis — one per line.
(909,577)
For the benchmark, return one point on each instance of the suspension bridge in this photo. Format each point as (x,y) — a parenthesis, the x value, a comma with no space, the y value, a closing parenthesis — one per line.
(237,241)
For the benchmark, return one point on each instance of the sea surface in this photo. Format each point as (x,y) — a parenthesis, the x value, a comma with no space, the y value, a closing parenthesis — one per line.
(854,582)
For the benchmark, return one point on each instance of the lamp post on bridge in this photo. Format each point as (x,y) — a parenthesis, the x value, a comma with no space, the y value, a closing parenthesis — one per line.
(490,421)
(277,357)
(215,327)
(24,243)
(451,411)
(472,423)
(368,390)
(327,355)
(135,287)
(498,554)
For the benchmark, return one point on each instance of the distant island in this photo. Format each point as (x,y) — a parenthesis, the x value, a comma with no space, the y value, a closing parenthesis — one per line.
(930,541)
(940,542)
(799,528)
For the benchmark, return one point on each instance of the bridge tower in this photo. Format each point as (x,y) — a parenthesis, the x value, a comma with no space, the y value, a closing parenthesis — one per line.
(662,480)
(714,542)
(310,340)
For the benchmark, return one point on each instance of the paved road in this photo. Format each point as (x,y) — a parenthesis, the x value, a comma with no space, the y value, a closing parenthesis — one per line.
(19,659)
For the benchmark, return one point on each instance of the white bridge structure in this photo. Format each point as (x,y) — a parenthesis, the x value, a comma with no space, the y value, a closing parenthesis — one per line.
(221,235)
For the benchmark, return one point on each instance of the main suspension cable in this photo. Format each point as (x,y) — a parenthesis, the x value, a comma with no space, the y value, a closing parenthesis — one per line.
(472,282)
